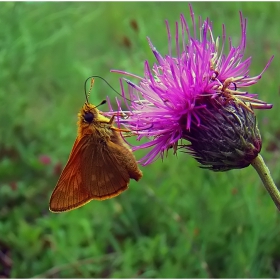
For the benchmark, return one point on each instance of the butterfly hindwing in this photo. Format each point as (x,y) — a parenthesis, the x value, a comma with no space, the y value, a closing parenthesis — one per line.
(107,176)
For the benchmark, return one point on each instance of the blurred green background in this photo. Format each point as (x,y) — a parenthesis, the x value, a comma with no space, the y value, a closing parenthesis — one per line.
(179,220)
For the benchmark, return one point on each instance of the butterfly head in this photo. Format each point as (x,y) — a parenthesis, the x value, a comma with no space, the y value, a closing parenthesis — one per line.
(89,119)
(89,114)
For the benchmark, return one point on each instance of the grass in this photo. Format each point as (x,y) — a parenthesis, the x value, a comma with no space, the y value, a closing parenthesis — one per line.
(179,221)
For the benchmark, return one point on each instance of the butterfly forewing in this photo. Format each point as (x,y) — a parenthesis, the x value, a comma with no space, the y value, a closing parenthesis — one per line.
(102,175)
(69,192)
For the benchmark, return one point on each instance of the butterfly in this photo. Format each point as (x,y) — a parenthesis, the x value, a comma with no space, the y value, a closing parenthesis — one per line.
(100,164)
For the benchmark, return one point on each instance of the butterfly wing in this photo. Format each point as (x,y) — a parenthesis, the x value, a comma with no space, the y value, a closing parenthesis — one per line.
(93,171)
(125,155)
(106,175)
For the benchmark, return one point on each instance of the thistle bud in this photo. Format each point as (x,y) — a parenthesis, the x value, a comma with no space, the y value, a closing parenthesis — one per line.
(227,136)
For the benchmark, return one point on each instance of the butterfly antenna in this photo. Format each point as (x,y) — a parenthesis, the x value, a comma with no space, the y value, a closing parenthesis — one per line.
(85,88)
(91,85)
(102,102)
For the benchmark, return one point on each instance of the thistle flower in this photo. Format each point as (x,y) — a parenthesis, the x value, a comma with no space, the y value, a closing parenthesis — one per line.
(199,94)
(196,95)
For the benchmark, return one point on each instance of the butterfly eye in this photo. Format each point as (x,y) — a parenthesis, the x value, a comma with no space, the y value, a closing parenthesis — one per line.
(88,117)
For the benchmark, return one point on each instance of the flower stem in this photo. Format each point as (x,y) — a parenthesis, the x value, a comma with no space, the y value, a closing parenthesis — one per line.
(263,171)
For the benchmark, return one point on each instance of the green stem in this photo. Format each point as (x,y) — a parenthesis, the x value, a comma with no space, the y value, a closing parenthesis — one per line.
(263,171)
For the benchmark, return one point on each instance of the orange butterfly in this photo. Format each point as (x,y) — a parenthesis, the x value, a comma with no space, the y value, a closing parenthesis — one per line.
(100,164)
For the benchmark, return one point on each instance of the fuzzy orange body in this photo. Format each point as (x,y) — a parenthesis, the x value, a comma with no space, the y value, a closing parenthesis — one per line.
(99,167)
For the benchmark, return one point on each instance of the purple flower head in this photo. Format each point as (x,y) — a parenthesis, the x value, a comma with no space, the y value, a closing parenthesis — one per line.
(180,96)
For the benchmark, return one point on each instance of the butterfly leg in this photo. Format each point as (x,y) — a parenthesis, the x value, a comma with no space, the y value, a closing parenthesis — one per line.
(117,128)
